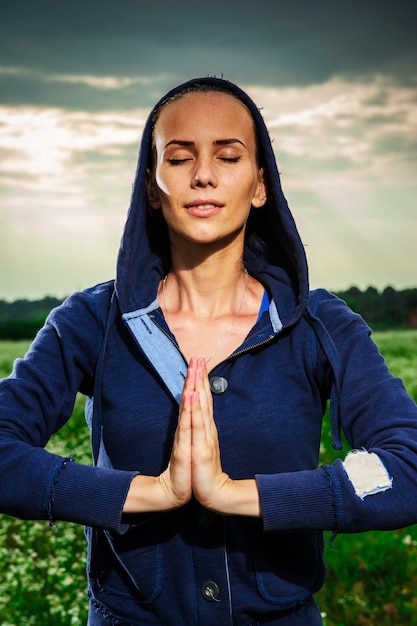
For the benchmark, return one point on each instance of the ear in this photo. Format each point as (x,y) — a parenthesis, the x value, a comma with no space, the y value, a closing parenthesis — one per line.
(260,195)
(151,191)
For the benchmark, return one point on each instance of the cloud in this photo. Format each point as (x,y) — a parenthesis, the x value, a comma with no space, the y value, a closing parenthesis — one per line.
(104,83)
(41,143)
(346,151)
(66,180)
(274,43)
(335,125)
(23,86)
(338,125)
(336,82)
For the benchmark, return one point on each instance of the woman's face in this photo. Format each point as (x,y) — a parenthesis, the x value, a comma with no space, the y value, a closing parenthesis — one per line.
(205,177)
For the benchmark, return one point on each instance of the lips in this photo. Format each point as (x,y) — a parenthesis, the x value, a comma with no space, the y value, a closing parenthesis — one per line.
(204,204)
(203,208)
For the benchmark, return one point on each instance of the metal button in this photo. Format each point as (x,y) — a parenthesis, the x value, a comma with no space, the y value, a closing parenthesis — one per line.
(210,591)
(204,520)
(218,384)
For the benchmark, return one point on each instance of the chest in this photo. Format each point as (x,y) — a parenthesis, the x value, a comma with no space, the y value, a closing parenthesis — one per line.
(268,412)
(215,340)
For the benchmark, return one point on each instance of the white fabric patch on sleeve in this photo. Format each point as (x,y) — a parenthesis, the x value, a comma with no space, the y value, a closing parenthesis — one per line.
(367,473)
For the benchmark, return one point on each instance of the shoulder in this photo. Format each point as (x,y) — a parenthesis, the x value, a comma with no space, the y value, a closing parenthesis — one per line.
(78,325)
(343,334)
(89,306)
(334,313)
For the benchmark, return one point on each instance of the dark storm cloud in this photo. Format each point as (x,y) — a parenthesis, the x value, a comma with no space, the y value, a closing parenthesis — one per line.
(51,90)
(266,42)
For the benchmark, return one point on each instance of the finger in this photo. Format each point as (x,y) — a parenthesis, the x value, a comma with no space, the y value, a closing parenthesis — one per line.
(202,383)
(205,444)
(206,381)
(182,435)
(206,398)
(176,479)
(184,414)
(181,449)
(190,381)
(198,423)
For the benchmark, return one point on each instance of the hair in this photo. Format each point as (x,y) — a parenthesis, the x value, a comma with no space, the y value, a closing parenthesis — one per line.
(201,88)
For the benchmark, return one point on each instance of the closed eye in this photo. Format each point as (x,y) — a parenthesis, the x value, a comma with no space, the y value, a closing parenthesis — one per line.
(177,161)
(230,159)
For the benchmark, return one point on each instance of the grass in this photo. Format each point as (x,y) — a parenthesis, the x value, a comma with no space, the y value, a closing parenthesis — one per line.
(372,576)
(42,570)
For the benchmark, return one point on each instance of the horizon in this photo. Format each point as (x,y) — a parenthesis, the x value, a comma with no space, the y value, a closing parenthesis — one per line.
(334,291)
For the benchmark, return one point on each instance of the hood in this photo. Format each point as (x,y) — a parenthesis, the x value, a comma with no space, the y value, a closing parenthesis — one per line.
(273,246)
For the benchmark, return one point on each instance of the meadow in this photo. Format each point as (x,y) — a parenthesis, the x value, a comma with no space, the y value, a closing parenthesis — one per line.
(372,577)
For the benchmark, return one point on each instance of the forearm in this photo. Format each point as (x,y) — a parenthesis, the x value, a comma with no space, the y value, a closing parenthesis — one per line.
(147,494)
(235,497)
(244,499)
(165,492)
(92,496)
(143,496)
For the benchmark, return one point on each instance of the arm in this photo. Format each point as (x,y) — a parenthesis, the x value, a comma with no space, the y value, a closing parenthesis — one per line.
(378,418)
(35,401)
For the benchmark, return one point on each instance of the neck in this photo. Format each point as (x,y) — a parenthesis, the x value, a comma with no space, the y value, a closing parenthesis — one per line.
(208,289)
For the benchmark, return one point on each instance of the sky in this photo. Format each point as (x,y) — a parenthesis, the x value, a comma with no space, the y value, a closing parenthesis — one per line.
(336,83)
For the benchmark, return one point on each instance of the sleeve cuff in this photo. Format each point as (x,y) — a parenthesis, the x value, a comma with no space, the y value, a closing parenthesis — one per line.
(299,500)
(91,496)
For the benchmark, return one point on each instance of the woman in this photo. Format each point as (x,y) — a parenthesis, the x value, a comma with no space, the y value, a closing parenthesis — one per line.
(207,365)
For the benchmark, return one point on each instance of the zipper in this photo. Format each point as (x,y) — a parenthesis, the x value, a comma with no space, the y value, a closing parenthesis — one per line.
(244,350)
(227,359)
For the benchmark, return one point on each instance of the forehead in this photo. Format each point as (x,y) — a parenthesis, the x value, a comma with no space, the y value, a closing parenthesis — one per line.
(213,112)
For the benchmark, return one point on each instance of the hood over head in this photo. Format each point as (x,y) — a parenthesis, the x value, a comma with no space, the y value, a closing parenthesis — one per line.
(271,236)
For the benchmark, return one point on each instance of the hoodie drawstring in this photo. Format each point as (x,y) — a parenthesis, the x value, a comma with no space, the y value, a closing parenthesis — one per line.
(330,350)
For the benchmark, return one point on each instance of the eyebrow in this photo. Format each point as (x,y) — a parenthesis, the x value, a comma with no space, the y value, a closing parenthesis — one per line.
(218,142)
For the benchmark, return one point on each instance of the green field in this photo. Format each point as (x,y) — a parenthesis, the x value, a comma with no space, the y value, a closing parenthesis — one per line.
(372,576)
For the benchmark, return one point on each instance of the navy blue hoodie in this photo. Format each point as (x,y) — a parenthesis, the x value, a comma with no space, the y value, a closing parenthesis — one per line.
(111,342)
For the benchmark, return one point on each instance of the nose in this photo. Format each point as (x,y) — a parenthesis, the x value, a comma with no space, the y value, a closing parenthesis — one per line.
(203,175)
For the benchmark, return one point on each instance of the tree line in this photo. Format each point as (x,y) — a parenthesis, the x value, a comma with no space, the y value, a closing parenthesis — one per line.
(386,309)
(23,318)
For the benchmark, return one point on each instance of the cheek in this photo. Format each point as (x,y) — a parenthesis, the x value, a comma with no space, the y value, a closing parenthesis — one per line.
(163,185)
(171,181)
(244,187)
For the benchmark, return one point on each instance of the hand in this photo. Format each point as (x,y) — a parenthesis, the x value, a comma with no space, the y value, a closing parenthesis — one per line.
(176,479)
(207,477)
(211,486)
(172,488)
(195,464)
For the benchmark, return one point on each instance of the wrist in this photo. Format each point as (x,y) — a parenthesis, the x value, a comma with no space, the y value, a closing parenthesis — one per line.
(145,495)
(238,497)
